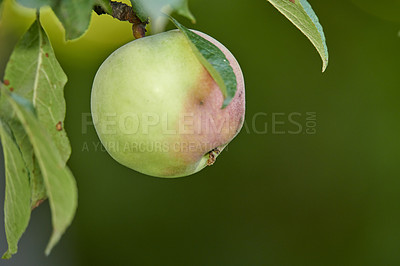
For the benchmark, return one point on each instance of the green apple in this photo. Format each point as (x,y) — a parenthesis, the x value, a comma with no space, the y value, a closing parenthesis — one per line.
(157,110)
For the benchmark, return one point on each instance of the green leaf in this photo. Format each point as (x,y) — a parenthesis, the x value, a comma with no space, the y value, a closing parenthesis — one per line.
(156,10)
(182,8)
(140,9)
(35,3)
(17,204)
(301,14)
(214,60)
(38,190)
(105,4)
(34,73)
(74,15)
(60,184)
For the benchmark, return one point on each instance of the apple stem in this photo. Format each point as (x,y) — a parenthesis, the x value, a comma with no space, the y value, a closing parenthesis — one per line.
(123,12)
(212,156)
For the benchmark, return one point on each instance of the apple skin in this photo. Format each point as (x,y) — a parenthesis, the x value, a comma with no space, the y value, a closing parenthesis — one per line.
(157,110)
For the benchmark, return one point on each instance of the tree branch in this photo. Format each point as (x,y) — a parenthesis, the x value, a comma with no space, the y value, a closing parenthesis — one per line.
(124,12)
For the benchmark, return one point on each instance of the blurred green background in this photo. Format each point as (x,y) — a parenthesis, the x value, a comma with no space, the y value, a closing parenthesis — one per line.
(329,198)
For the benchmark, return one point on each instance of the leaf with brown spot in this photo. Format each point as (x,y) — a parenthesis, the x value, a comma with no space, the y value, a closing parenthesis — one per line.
(40,79)
(58,179)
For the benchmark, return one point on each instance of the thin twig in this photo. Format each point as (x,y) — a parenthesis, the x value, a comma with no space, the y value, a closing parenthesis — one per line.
(124,12)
